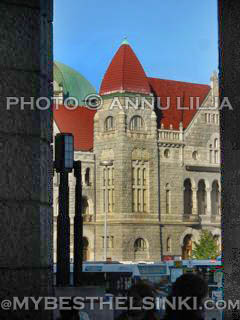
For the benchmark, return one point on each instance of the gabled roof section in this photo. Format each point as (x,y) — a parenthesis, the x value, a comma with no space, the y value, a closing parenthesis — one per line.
(79,122)
(125,73)
(170,89)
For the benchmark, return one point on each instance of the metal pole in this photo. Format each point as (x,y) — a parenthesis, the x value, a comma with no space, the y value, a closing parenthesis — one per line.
(78,226)
(161,241)
(105,215)
(63,233)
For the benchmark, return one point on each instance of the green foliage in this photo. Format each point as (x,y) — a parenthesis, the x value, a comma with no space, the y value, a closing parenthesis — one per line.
(206,248)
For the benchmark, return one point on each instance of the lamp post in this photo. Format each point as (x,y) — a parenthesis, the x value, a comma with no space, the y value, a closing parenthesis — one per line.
(161,241)
(106,164)
(78,226)
(64,154)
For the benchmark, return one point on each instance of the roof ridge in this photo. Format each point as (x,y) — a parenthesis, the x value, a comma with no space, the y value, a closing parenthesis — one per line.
(201,84)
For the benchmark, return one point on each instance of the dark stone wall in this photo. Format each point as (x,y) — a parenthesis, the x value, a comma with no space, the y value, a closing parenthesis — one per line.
(25,153)
(229,54)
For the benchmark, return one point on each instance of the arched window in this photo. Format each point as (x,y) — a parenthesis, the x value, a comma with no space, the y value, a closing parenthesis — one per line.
(167,153)
(140,245)
(201,197)
(85,206)
(169,244)
(136,123)
(85,248)
(187,196)
(87,177)
(109,123)
(168,200)
(140,249)
(215,198)
(195,155)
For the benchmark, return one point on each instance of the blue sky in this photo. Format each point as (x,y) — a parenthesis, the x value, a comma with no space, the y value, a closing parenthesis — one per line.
(173,39)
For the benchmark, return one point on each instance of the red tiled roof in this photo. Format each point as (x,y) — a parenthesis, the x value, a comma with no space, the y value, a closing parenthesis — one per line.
(79,122)
(125,73)
(173,89)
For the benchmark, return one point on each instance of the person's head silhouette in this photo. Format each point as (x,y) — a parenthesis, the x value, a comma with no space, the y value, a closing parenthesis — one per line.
(192,289)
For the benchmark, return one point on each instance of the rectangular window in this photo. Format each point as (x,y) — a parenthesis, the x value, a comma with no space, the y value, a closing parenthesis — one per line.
(139,186)
(210,156)
(104,177)
(144,176)
(113,200)
(112,242)
(104,200)
(134,200)
(168,201)
(138,176)
(133,176)
(139,200)
(109,200)
(216,156)
(113,176)
(144,200)
(102,242)
(109,176)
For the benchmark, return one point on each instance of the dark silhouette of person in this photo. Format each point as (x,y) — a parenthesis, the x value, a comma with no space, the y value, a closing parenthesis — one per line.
(137,293)
(191,288)
(71,314)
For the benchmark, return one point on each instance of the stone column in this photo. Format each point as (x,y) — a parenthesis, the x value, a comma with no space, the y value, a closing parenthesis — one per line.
(208,202)
(229,76)
(25,154)
(194,201)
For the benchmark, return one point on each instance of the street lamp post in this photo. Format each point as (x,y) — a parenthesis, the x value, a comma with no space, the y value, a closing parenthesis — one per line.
(78,226)
(64,154)
(106,164)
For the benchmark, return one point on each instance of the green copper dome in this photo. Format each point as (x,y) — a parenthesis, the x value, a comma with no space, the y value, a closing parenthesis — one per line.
(73,83)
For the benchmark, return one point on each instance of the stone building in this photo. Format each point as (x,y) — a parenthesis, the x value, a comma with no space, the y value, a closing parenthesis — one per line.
(150,160)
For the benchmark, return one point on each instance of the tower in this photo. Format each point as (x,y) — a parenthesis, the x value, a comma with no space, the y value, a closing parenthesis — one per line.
(125,145)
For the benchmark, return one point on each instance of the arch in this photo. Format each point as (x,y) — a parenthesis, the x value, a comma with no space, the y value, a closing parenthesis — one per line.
(136,123)
(141,249)
(140,245)
(215,198)
(188,196)
(201,197)
(187,246)
(193,232)
(109,123)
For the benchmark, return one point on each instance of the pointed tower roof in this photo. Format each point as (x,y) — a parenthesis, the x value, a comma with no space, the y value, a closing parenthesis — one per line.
(125,73)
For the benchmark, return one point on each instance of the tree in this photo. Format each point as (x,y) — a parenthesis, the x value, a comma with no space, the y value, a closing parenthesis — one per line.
(206,248)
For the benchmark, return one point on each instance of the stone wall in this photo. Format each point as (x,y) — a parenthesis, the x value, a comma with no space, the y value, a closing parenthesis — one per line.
(26,154)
